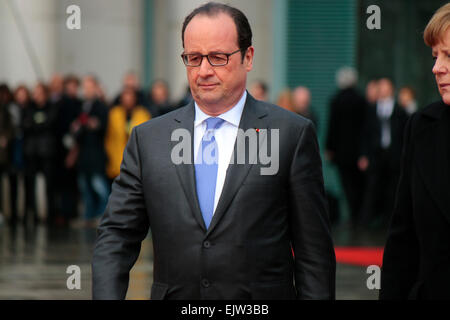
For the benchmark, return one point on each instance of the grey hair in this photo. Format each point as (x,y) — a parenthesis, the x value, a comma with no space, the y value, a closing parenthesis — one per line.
(346,77)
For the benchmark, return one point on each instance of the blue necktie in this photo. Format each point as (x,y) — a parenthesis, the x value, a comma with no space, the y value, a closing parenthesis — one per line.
(206,169)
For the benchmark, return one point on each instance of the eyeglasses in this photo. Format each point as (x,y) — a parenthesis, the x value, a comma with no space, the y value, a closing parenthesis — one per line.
(214,59)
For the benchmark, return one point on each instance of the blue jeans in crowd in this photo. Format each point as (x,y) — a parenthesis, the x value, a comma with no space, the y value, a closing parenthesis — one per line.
(95,191)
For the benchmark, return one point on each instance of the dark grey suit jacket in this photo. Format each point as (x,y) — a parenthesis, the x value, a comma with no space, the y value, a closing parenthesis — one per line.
(269,237)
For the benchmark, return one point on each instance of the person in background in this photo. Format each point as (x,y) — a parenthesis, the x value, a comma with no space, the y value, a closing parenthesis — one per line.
(301,103)
(17,109)
(285,99)
(345,129)
(89,131)
(100,93)
(259,90)
(159,102)
(131,80)
(121,120)
(56,88)
(372,92)
(39,127)
(416,260)
(187,98)
(381,147)
(407,100)
(69,109)
(6,135)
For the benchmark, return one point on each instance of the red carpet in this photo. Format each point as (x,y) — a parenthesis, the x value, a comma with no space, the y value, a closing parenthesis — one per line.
(360,256)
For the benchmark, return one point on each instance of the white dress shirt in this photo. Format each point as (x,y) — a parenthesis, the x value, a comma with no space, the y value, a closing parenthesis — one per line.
(225,137)
(385,108)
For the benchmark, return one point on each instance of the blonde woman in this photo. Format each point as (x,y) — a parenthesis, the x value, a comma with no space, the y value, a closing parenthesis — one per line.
(416,261)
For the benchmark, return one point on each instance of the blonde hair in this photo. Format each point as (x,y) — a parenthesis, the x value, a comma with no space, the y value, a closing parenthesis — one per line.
(439,23)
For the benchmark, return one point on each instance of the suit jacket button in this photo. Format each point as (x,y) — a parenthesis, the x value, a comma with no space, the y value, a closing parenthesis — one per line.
(206,244)
(205,283)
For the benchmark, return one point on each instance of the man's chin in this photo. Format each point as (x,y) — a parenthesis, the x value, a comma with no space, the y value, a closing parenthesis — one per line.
(208,98)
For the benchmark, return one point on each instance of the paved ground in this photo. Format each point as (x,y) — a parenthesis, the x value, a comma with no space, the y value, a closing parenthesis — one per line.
(33,264)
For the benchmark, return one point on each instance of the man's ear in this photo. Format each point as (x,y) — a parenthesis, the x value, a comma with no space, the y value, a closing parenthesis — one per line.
(248,58)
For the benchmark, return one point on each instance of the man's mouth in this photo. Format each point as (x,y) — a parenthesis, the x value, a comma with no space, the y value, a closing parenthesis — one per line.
(207,85)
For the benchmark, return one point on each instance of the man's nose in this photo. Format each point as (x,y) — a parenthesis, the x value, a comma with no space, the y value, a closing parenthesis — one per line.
(205,68)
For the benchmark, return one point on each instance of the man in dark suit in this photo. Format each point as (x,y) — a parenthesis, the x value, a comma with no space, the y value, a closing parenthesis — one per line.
(381,148)
(69,109)
(345,127)
(221,229)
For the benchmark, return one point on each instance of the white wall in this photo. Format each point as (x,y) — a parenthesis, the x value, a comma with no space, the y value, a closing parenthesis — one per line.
(111,40)
(109,43)
(39,20)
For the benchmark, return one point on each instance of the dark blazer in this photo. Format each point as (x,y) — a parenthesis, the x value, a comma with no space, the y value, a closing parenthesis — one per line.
(68,110)
(416,262)
(371,143)
(7,132)
(39,129)
(345,126)
(92,156)
(247,251)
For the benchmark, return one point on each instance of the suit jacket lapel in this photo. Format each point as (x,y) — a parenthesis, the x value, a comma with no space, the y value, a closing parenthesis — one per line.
(434,150)
(186,172)
(252,118)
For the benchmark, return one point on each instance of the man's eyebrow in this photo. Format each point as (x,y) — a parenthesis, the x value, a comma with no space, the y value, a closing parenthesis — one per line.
(217,51)
(210,52)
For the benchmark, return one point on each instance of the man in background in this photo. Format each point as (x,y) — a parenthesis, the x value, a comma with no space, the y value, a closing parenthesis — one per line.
(382,145)
(69,108)
(301,103)
(345,129)
(259,90)
(89,129)
(407,100)
(131,80)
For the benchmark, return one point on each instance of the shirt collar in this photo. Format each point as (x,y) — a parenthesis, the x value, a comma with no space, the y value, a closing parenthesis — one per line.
(232,116)
(388,102)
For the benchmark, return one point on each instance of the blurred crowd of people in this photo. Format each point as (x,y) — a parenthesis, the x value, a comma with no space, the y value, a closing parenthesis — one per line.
(68,132)
(364,140)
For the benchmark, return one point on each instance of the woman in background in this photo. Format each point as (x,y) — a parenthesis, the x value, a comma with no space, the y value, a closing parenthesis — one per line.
(121,120)
(22,100)
(6,134)
(39,149)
